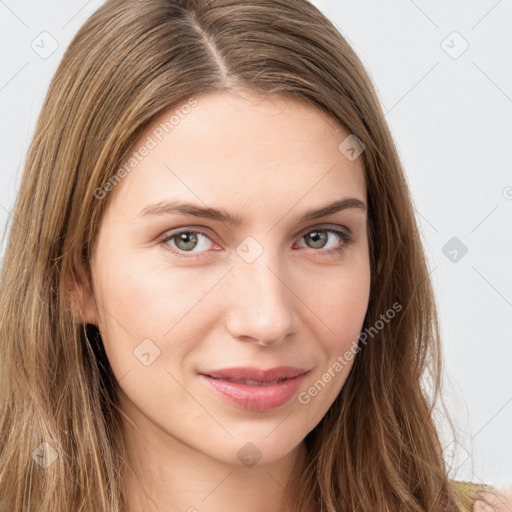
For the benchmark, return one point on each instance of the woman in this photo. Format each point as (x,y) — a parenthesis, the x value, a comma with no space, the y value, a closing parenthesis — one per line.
(214,296)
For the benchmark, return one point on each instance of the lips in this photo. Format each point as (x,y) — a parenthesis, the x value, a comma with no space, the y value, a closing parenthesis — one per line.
(254,389)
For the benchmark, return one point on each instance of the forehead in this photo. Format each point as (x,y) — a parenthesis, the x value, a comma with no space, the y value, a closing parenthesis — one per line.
(241,148)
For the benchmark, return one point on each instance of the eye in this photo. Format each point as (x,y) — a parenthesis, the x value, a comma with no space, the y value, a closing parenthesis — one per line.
(318,238)
(186,241)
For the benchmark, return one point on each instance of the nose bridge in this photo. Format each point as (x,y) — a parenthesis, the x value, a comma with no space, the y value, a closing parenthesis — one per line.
(261,305)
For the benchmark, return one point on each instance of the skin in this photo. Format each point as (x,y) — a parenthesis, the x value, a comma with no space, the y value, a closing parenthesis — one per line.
(268,161)
(498,501)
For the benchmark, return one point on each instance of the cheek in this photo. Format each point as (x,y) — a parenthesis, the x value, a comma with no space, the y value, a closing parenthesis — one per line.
(340,310)
(339,303)
(144,295)
(145,300)
(147,334)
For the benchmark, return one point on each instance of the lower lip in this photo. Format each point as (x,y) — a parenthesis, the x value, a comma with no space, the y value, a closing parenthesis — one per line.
(254,397)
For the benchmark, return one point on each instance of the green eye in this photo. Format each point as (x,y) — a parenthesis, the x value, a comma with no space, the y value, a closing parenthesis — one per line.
(186,240)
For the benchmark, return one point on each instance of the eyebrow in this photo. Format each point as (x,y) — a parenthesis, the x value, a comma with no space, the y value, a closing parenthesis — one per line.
(219,214)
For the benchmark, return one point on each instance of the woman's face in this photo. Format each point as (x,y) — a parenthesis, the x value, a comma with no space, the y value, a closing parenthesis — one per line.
(180,295)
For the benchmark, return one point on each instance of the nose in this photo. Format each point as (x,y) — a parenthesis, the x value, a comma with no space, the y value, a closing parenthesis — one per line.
(262,305)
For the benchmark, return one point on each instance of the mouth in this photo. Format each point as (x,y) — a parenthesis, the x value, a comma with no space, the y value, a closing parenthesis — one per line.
(254,389)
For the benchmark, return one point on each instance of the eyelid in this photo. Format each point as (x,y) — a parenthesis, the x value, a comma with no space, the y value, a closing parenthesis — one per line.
(336,227)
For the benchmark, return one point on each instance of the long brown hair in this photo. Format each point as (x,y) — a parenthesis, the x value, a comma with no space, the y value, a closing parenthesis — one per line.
(377,448)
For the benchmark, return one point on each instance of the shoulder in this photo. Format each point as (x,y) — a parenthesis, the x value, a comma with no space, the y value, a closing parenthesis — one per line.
(473,497)
(496,500)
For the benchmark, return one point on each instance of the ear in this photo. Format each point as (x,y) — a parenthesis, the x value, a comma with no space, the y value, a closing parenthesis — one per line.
(79,289)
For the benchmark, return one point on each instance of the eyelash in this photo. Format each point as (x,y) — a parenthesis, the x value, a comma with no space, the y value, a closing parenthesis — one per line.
(345,237)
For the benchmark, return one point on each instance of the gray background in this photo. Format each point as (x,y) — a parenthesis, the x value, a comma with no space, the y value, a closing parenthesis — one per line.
(450,110)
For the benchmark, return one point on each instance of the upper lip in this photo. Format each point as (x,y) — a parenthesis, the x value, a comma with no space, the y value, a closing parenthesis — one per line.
(257,374)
